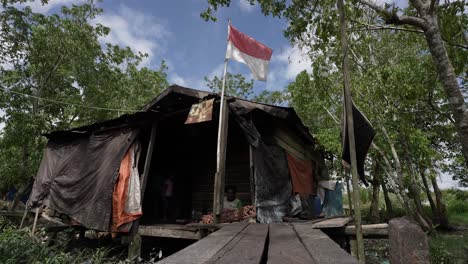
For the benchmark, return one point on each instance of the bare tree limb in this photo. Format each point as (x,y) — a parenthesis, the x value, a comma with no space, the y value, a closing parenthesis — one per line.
(420,6)
(374,27)
(393,18)
(380,27)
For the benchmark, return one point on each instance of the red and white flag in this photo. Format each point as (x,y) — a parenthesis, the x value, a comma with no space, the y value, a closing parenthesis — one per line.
(247,50)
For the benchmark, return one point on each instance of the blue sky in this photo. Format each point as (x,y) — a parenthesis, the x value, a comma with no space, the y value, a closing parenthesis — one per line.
(192,48)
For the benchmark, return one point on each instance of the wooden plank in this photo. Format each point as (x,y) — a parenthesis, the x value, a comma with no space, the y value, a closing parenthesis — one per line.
(247,249)
(333,222)
(167,231)
(322,248)
(13,213)
(206,248)
(285,246)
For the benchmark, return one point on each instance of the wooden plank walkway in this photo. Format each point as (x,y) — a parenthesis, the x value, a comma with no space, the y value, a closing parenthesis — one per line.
(263,243)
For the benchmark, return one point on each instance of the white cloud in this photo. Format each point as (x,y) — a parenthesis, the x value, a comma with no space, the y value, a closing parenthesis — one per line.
(217,71)
(177,79)
(446,182)
(136,30)
(294,60)
(38,7)
(245,6)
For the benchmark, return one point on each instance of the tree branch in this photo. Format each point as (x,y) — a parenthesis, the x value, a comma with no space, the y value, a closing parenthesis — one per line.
(393,18)
(379,27)
(375,27)
(420,6)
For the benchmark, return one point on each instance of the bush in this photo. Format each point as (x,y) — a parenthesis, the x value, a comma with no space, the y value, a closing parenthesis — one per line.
(17,246)
(458,206)
(449,248)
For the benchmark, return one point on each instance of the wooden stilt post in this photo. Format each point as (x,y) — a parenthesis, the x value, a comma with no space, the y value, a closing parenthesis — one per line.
(24,216)
(350,125)
(252,175)
(36,216)
(348,190)
(134,248)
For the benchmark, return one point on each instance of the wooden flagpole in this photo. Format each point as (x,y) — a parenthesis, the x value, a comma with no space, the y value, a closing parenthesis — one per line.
(350,125)
(218,193)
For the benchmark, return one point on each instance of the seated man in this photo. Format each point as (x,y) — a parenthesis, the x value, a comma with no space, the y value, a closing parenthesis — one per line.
(230,199)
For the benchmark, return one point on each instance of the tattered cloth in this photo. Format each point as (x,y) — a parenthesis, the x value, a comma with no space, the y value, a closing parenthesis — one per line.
(77,177)
(301,175)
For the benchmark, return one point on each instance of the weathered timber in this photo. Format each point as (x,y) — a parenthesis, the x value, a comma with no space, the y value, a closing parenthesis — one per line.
(285,246)
(171,231)
(134,249)
(374,230)
(321,247)
(12,213)
(247,249)
(136,240)
(332,222)
(203,250)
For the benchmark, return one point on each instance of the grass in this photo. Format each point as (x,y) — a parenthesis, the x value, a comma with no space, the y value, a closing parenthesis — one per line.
(449,247)
(17,246)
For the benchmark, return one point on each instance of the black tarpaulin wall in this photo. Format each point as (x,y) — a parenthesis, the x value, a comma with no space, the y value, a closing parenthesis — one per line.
(76,177)
(272,182)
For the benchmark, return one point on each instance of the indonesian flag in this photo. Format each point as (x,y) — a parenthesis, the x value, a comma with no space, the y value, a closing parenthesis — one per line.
(247,50)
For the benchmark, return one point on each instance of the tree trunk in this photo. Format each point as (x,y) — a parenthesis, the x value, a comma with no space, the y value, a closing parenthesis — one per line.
(448,78)
(414,185)
(435,214)
(443,218)
(388,202)
(374,214)
(413,212)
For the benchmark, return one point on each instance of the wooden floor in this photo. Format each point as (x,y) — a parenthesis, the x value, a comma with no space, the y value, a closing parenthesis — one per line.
(263,243)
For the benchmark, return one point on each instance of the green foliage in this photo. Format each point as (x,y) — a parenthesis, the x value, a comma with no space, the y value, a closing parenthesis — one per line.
(238,86)
(60,58)
(17,246)
(449,248)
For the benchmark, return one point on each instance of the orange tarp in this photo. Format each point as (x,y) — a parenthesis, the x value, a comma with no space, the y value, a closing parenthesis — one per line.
(119,197)
(301,175)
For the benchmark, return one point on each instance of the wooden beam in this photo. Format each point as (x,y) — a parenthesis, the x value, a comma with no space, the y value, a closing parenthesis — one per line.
(149,156)
(134,249)
(167,231)
(218,193)
(350,128)
(375,230)
(252,175)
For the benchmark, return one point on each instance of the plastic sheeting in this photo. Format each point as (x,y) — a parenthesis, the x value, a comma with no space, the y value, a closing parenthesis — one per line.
(77,178)
(272,183)
(333,202)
